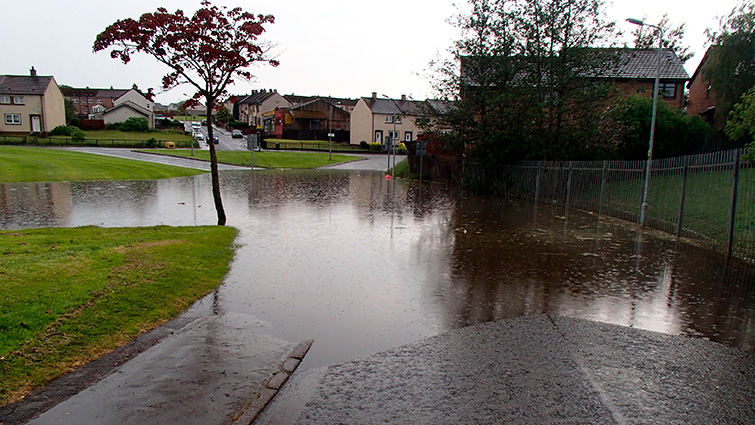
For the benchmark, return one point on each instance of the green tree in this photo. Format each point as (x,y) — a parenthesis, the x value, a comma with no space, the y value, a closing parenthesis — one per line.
(518,75)
(135,124)
(222,115)
(71,111)
(741,122)
(646,37)
(730,67)
(208,51)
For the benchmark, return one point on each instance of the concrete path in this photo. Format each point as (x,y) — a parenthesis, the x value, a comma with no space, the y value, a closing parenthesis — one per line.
(530,370)
(371,162)
(148,157)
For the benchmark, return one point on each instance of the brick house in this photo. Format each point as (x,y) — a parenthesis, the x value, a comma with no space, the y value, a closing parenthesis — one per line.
(702,100)
(30,104)
(251,107)
(310,120)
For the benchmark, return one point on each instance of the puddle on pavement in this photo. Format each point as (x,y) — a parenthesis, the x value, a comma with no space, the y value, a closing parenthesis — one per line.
(362,264)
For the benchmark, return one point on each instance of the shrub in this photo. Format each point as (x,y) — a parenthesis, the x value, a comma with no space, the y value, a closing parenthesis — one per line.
(114,126)
(134,124)
(375,147)
(151,142)
(364,145)
(61,130)
(77,134)
(401,149)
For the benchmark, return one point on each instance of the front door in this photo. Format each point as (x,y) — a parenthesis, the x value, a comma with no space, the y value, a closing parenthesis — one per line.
(379,136)
(36,124)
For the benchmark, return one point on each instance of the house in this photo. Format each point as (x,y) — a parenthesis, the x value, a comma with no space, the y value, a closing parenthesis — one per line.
(702,101)
(30,104)
(375,120)
(632,71)
(128,109)
(84,99)
(342,103)
(251,107)
(310,120)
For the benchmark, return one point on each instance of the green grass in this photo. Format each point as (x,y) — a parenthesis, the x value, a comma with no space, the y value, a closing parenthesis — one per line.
(26,164)
(68,296)
(265,159)
(165,135)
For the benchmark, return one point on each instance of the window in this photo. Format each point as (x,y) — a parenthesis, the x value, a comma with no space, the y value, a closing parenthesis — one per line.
(75,100)
(408,136)
(90,100)
(398,119)
(18,100)
(707,92)
(389,118)
(99,101)
(393,135)
(667,89)
(5,99)
(86,111)
(13,119)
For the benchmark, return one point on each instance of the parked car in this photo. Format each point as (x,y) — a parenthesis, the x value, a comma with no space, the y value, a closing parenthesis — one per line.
(198,136)
(215,139)
(236,134)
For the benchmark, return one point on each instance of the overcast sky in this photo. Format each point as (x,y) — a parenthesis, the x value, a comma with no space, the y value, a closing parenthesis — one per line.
(341,48)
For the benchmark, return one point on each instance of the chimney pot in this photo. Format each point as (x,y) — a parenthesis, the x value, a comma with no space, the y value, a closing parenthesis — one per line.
(403,97)
(374,95)
(33,72)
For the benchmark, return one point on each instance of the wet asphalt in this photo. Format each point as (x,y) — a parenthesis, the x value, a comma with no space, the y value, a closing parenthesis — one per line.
(530,370)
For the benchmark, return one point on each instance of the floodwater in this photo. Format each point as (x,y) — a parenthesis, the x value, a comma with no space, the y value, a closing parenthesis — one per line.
(361,264)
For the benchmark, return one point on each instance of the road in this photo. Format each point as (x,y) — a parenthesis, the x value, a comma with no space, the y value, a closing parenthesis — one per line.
(225,141)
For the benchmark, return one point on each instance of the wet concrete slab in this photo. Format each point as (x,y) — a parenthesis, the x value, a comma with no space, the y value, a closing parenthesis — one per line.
(529,370)
(205,373)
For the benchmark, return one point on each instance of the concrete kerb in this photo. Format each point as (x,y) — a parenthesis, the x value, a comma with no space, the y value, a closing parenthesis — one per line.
(254,408)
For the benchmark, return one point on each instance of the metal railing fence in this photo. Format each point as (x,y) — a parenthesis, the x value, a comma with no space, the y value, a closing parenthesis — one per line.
(708,197)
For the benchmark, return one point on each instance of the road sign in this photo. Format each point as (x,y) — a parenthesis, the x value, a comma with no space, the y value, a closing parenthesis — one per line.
(421,148)
(251,141)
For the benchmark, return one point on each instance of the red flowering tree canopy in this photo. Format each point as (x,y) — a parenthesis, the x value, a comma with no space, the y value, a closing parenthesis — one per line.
(207,50)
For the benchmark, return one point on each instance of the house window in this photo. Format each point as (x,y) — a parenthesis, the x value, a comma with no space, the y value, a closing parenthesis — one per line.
(667,89)
(18,100)
(5,99)
(75,100)
(99,101)
(13,119)
(707,92)
(90,100)
(398,119)
(389,118)
(408,136)
(393,135)
(86,111)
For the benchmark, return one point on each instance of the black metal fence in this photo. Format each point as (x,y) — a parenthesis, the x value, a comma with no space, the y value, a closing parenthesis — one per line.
(707,197)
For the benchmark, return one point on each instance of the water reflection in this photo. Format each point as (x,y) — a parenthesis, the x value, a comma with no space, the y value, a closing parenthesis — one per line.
(361,264)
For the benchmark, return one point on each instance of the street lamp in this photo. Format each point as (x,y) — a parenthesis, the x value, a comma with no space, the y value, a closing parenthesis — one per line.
(395,132)
(644,208)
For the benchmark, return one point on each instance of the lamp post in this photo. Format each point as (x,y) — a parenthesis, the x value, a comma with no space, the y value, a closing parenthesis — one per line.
(644,208)
(395,132)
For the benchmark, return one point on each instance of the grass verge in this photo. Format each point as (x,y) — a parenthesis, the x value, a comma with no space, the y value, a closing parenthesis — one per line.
(68,296)
(264,159)
(25,164)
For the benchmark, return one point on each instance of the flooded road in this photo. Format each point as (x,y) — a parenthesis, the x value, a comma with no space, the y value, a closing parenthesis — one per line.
(361,264)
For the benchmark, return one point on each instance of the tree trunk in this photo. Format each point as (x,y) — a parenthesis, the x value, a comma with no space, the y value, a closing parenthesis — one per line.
(214,165)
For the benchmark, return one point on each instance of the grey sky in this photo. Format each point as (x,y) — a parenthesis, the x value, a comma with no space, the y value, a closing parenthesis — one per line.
(344,48)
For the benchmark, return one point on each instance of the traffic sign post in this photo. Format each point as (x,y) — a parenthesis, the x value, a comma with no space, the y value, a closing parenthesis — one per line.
(421,151)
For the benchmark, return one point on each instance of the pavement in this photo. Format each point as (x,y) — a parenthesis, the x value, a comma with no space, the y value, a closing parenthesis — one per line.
(530,370)
(149,157)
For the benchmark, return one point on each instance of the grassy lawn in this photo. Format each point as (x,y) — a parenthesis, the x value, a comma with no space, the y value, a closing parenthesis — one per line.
(25,164)
(265,159)
(165,135)
(68,296)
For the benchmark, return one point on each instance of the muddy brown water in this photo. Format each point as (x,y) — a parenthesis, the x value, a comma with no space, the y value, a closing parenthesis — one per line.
(361,264)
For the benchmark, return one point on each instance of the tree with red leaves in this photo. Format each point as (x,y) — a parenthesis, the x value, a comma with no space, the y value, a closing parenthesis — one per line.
(208,51)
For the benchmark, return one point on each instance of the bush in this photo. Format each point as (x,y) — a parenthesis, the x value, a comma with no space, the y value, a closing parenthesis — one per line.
(134,124)
(114,126)
(151,142)
(364,145)
(375,147)
(77,134)
(401,149)
(61,130)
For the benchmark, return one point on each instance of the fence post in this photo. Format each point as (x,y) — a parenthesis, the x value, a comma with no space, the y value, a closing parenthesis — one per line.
(683,196)
(568,189)
(537,184)
(732,216)
(603,180)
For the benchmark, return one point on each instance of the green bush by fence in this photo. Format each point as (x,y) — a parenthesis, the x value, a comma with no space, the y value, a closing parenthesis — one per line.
(108,143)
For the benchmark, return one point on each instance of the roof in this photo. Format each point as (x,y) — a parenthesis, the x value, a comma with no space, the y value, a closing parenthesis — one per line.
(643,63)
(24,84)
(257,97)
(131,105)
(397,107)
(93,92)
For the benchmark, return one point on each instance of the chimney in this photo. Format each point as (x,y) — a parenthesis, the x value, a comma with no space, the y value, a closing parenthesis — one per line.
(374,95)
(33,72)
(403,97)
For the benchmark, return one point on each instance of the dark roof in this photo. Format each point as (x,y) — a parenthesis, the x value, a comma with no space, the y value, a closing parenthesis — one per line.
(643,63)
(24,84)
(90,92)
(131,105)
(404,107)
(257,97)
(300,100)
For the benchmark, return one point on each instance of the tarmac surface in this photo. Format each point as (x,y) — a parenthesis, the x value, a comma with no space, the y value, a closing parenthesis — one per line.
(530,370)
